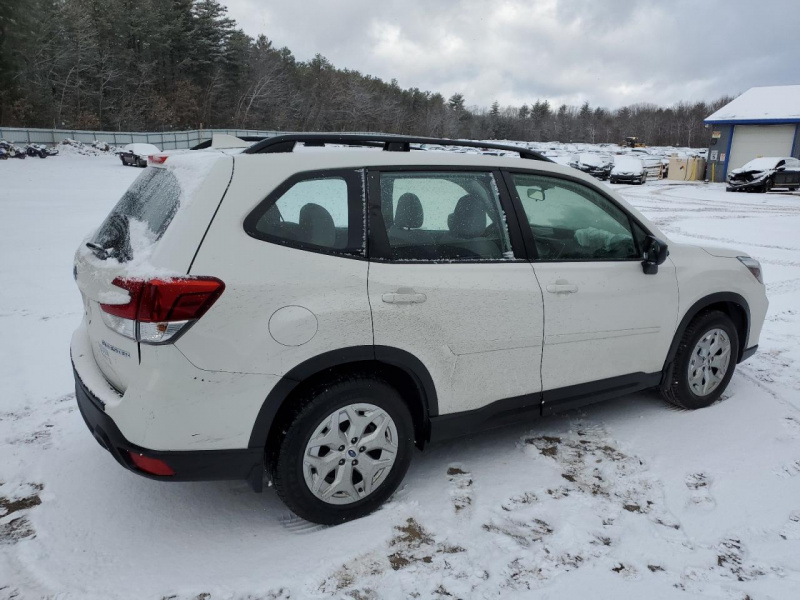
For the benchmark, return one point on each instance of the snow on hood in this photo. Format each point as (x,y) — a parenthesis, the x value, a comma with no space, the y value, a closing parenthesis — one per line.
(765,163)
(592,160)
(626,164)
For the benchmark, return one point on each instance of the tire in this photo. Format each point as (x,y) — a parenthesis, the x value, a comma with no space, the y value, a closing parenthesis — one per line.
(681,391)
(293,477)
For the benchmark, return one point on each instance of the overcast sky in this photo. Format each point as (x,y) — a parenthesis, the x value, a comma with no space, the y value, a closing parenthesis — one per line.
(611,53)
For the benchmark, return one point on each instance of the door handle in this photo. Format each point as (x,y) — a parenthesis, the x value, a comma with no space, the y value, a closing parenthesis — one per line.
(562,288)
(404,296)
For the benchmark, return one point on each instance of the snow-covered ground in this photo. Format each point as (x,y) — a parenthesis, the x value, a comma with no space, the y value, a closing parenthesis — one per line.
(627,499)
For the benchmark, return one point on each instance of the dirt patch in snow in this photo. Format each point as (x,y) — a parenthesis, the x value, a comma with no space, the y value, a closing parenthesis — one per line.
(412,547)
(460,488)
(19,527)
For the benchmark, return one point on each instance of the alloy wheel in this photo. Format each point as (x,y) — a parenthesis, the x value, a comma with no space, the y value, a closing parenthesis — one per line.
(709,362)
(350,453)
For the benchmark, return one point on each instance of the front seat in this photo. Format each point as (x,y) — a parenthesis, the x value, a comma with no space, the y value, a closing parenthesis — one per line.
(409,217)
(467,224)
(316,226)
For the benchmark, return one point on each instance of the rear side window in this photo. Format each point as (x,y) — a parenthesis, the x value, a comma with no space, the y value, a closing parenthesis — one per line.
(148,206)
(314,211)
(443,216)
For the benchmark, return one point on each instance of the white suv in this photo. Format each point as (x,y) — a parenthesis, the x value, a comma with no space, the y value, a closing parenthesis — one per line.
(316,314)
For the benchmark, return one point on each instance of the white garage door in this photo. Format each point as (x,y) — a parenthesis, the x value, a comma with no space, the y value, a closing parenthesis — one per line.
(752,141)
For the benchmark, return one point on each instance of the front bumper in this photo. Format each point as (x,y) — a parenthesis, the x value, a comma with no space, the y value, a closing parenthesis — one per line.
(189,465)
(626,178)
(735,186)
(599,173)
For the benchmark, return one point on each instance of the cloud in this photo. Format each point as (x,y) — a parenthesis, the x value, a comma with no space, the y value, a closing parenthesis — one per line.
(608,53)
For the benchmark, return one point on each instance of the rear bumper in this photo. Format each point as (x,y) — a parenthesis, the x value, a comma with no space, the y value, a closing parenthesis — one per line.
(189,465)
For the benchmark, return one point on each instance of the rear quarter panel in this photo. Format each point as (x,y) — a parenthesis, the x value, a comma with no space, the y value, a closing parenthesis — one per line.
(321,295)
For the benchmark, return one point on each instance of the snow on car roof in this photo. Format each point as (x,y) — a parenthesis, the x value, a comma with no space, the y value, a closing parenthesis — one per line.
(761,164)
(141,148)
(770,102)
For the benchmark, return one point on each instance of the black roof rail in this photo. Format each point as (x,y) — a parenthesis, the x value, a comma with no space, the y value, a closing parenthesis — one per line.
(389,142)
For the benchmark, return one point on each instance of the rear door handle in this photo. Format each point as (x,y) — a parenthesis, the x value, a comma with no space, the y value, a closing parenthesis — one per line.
(562,288)
(404,296)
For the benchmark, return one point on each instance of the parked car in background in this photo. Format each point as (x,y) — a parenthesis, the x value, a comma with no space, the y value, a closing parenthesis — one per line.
(764,174)
(596,165)
(135,155)
(560,159)
(628,169)
(652,165)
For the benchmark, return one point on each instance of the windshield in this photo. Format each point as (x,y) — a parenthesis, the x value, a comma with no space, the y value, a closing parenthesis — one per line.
(761,164)
(627,164)
(152,200)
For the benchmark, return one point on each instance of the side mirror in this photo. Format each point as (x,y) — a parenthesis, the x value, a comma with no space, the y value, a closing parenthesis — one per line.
(781,168)
(655,253)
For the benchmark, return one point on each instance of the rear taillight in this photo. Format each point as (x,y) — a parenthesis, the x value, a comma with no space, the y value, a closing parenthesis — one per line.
(157,159)
(159,309)
(154,466)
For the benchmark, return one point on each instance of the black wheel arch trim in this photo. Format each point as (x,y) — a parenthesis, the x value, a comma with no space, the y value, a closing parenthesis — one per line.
(699,306)
(386,355)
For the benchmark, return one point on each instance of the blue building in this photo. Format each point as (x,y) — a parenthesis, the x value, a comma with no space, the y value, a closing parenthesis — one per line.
(764,121)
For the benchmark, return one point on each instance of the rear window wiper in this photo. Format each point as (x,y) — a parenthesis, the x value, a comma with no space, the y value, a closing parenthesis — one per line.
(99,251)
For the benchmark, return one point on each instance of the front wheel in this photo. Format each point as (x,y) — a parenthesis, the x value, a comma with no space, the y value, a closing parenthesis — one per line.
(705,361)
(345,450)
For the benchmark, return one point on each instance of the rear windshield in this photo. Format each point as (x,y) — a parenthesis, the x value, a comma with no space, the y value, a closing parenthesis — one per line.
(152,200)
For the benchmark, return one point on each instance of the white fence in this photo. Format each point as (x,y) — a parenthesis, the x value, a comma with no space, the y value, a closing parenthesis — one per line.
(166,140)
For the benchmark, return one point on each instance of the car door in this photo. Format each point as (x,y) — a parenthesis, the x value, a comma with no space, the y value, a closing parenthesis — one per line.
(607,324)
(448,283)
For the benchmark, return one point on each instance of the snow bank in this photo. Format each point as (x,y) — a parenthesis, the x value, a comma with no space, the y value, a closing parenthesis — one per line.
(96,148)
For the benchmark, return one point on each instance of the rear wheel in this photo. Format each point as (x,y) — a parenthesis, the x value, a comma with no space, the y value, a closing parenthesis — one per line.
(705,361)
(345,450)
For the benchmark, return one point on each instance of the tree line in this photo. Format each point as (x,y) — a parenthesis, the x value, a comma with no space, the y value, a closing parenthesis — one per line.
(146,65)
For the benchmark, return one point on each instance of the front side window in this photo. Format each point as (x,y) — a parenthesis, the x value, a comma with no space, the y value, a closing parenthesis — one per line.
(318,212)
(571,221)
(443,216)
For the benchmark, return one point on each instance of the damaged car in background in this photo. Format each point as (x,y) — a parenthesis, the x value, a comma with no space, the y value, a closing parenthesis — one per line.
(764,174)
(596,165)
